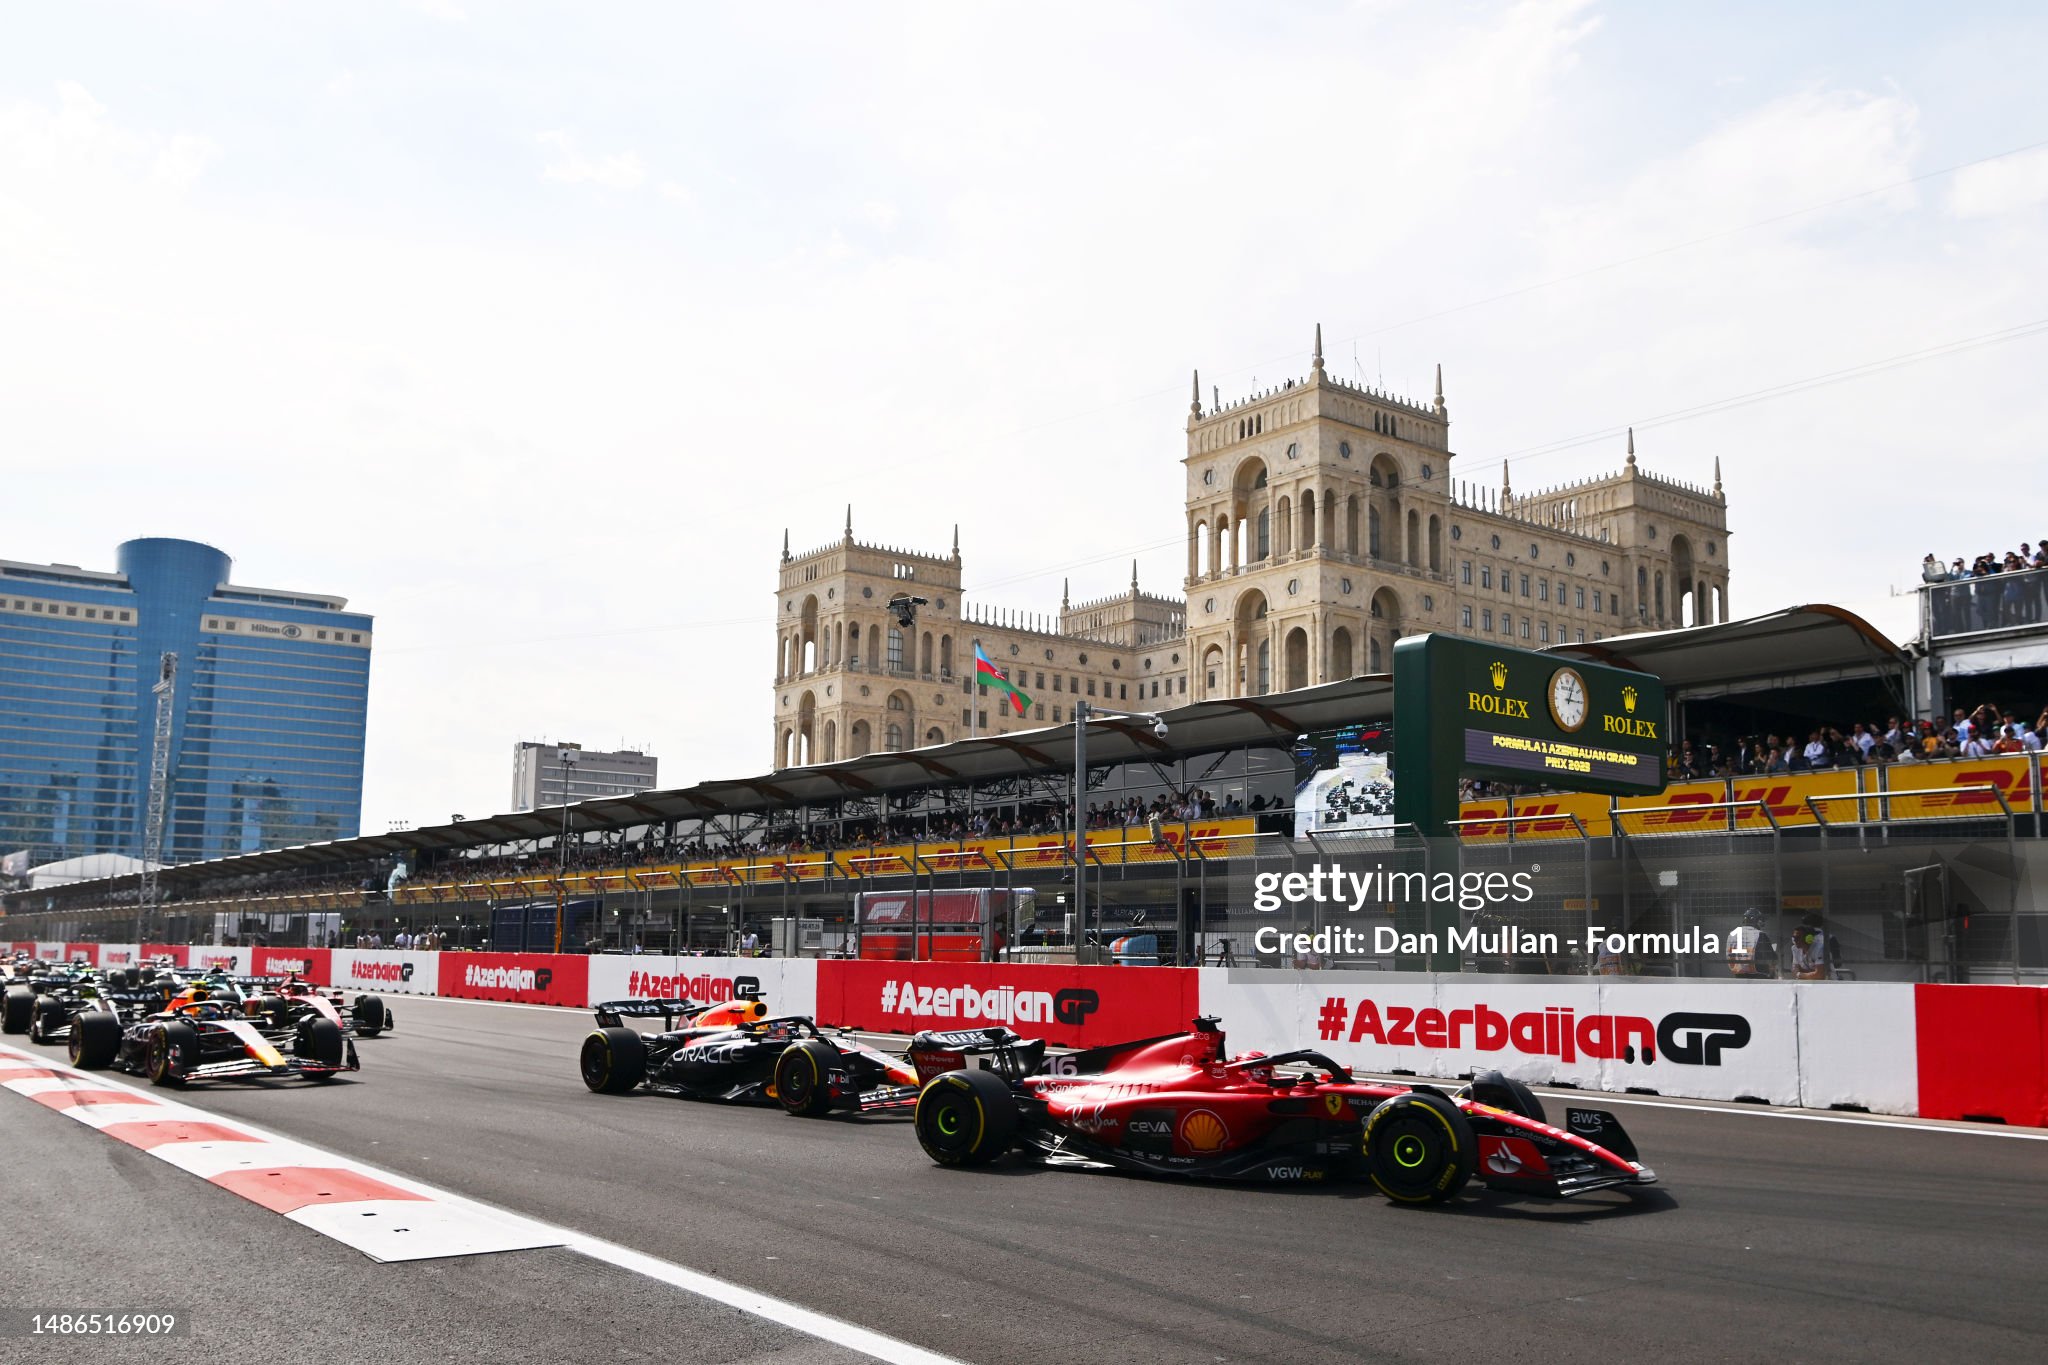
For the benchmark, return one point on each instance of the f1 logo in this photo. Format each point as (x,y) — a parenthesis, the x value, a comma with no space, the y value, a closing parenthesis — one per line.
(1700,1039)
(542,976)
(746,988)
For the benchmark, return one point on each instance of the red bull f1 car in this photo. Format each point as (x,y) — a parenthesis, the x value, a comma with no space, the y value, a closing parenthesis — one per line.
(1181,1106)
(735,1052)
(206,1034)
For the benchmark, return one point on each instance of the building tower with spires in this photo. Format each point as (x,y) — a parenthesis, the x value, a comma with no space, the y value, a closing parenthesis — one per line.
(1324,522)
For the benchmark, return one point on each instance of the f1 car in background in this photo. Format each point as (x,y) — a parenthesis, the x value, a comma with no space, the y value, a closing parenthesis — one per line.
(1177,1105)
(43,1004)
(734,1052)
(367,1015)
(209,1034)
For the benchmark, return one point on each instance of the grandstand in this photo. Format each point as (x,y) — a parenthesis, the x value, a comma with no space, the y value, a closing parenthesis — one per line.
(1922,870)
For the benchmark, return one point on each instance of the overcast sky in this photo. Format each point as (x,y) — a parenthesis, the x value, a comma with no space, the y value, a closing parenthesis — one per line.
(530,328)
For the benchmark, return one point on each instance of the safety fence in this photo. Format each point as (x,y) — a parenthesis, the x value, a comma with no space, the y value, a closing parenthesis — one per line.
(1937,1051)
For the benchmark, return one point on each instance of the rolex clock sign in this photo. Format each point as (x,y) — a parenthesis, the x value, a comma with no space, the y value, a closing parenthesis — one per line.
(1470,708)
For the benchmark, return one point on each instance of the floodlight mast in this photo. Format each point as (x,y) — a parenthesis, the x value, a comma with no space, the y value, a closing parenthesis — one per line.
(1083,712)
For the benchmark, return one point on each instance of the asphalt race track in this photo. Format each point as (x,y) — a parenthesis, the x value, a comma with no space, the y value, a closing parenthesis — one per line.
(1772,1238)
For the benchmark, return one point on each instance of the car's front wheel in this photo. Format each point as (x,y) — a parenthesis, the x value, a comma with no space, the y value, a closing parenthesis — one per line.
(95,1039)
(966,1118)
(368,1013)
(171,1051)
(800,1073)
(1419,1148)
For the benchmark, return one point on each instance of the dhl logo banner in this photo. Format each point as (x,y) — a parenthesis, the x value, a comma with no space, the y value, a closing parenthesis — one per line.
(1789,800)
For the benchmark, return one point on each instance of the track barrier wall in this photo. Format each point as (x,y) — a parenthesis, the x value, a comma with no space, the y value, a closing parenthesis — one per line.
(1935,1051)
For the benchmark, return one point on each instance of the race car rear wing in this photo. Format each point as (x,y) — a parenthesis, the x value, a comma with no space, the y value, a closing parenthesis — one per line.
(611,1012)
(933,1052)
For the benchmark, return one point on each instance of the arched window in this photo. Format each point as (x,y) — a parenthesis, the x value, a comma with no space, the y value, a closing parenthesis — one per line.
(1372,537)
(1286,510)
(946,656)
(1263,676)
(934,736)
(1340,653)
(895,650)
(893,737)
(1351,525)
(924,654)
(1308,519)
(1265,545)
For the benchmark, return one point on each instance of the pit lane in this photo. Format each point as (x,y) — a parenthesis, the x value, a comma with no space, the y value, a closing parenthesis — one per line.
(1769,1239)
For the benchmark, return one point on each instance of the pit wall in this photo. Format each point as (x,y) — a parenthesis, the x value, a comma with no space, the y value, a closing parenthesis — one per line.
(1935,1051)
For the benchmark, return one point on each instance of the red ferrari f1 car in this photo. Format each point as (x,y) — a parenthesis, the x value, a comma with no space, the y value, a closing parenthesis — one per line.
(1179,1105)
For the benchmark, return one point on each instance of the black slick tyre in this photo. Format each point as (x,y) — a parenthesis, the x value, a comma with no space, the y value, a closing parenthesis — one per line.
(319,1041)
(613,1061)
(16,1007)
(966,1118)
(368,1013)
(42,1015)
(171,1050)
(1419,1148)
(800,1072)
(95,1040)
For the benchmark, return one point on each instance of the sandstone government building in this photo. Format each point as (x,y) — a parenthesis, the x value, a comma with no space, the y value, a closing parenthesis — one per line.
(1323,524)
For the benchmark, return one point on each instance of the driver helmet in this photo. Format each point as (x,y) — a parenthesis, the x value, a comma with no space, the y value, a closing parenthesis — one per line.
(1261,1074)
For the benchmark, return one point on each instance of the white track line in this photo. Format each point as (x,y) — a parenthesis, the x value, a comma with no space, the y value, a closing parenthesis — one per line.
(797,1318)
(1595,1097)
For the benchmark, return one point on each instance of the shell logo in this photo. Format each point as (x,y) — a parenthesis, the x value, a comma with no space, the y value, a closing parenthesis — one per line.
(1202,1131)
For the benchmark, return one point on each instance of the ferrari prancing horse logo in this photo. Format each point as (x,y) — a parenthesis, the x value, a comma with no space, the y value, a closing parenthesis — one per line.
(1334,1103)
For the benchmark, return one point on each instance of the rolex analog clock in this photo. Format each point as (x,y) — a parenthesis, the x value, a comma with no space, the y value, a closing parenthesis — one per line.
(1568,699)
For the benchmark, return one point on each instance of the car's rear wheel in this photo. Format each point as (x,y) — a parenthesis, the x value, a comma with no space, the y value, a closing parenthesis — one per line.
(42,1018)
(1419,1148)
(614,1060)
(171,1050)
(800,1073)
(271,1010)
(368,1013)
(966,1118)
(95,1040)
(16,1009)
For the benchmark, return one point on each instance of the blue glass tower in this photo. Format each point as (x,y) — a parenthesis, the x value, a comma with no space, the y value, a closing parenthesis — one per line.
(267,717)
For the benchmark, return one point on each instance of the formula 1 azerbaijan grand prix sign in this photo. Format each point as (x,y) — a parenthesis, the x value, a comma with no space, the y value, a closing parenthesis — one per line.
(1469,708)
